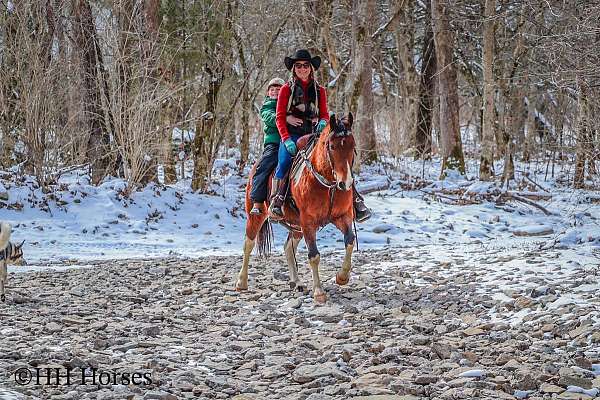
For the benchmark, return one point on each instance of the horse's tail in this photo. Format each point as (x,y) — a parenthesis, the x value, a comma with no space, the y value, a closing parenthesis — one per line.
(264,239)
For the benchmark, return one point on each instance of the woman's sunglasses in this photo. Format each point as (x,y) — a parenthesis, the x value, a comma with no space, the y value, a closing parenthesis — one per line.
(302,65)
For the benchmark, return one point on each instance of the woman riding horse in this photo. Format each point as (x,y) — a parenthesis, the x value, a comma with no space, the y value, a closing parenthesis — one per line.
(301,110)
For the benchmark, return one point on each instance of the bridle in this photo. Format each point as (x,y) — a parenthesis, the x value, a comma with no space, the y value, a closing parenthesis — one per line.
(331,187)
(306,152)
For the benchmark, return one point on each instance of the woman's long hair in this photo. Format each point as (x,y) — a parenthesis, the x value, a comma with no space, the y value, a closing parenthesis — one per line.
(312,76)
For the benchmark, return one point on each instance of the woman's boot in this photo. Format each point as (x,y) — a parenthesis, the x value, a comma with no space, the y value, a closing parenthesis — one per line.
(280,187)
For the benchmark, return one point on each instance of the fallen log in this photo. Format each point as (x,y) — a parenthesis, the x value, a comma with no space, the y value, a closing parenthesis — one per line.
(516,197)
(376,186)
(532,195)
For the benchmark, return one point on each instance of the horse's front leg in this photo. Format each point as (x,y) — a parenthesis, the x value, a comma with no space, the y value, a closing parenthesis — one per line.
(310,237)
(345,225)
(290,247)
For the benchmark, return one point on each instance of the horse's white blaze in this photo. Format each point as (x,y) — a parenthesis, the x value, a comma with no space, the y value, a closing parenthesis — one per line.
(349,178)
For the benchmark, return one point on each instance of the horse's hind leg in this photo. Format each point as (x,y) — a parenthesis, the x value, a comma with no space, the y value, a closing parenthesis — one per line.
(290,247)
(310,237)
(242,280)
(343,276)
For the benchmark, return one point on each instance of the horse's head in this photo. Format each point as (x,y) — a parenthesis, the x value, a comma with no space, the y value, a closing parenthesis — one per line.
(340,149)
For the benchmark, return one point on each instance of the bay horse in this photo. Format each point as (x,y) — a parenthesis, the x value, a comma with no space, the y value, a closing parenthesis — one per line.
(321,189)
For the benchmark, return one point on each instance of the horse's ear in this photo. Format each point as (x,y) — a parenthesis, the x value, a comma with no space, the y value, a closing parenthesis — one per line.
(350,120)
(333,122)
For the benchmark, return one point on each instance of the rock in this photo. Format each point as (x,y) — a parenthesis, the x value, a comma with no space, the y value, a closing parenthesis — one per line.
(584,363)
(387,397)
(443,350)
(307,373)
(152,331)
(319,396)
(473,331)
(574,380)
(420,340)
(53,327)
(328,314)
(273,372)
(159,395)
(523,302)
(426,379)
(573,396)
(549,388)
(74,321)
(295,303)
(534,230)
(371,380)
(473,373)
(580,331)
(383,228)
(512,365)
(218,383)
(525,381)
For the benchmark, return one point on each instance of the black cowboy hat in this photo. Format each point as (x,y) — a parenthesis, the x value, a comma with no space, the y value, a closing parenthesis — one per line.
(302,55)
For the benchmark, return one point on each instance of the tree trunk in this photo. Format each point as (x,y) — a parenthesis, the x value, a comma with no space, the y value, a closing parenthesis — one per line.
(125,18)
(245,122)
(150,55)
(363,83)
(426,89)
(486,166)
(246,106)
(583,135)
(452,153)
(528,149)
(408,82)
(99,140)
(203,142)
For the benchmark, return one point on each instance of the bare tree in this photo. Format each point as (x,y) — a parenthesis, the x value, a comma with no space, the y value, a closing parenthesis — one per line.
(361,84)
(486,166)
(452,154)
(91,57)
(426,89)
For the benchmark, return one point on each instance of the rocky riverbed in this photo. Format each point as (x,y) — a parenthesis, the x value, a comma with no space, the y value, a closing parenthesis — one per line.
(413,323)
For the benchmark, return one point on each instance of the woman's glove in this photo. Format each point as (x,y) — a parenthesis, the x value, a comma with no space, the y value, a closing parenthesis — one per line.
(290,146)
(320,126)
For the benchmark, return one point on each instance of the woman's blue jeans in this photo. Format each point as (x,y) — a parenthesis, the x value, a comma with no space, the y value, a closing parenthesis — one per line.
(284,159)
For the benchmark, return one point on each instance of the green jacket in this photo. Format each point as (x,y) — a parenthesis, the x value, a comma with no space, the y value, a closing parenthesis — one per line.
(267,114)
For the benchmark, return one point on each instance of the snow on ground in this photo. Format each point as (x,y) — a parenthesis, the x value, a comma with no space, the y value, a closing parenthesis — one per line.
(78,222)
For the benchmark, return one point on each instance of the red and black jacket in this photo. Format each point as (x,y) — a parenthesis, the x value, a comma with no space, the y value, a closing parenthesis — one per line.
(299,98)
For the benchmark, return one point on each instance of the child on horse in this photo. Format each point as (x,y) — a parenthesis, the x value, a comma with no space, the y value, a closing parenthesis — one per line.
(301,110)
(268,161)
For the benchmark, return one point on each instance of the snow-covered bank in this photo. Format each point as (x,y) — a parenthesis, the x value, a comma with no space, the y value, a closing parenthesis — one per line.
(79,222)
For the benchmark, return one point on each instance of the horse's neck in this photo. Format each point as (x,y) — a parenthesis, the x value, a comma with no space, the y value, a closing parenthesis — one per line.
(319,160)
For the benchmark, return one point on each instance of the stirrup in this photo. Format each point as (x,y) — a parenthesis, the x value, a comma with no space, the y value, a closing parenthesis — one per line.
(361,212)
(275,211)
(255,210)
